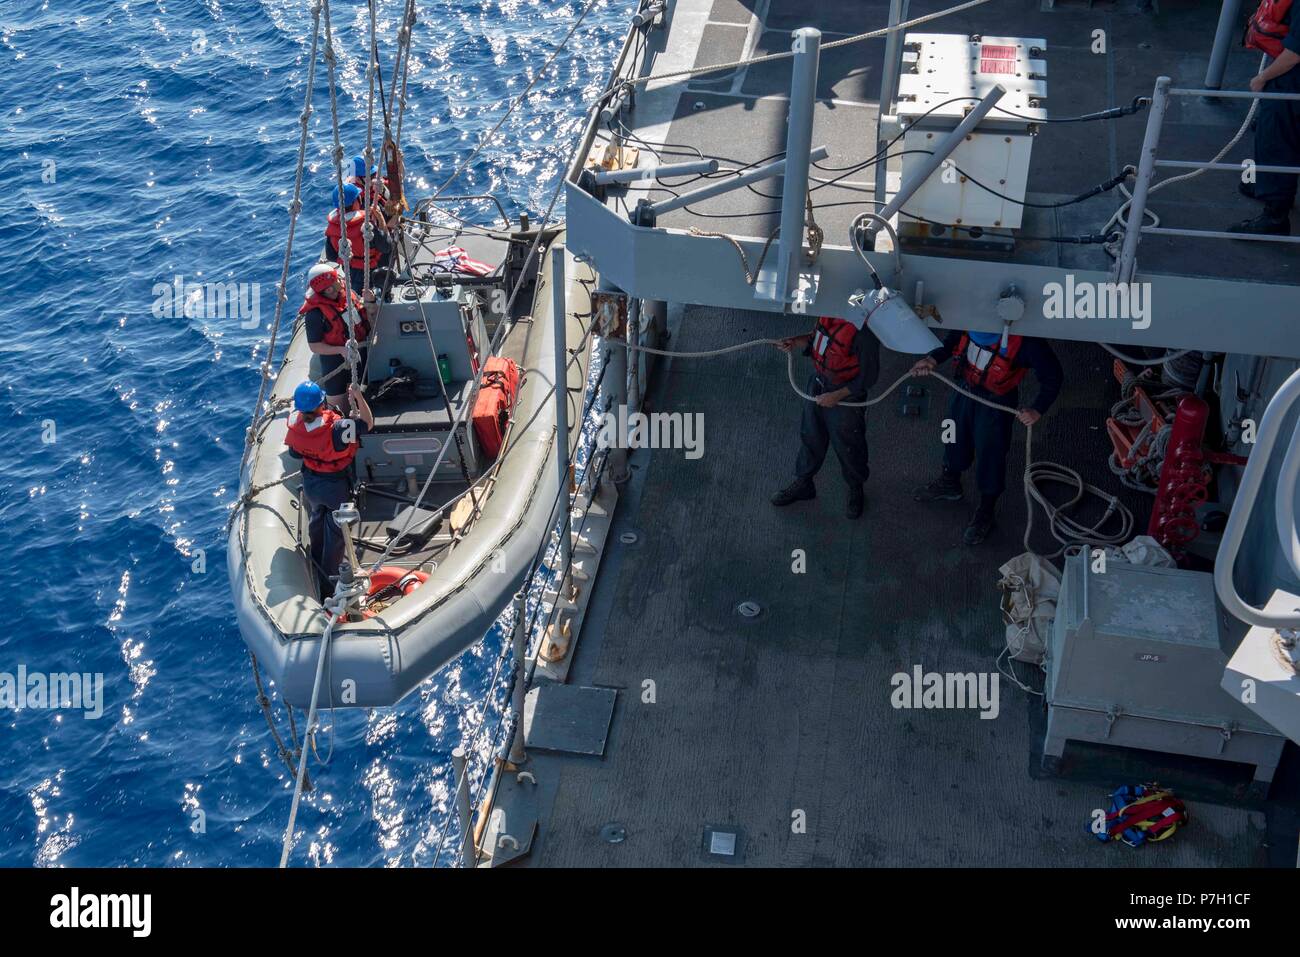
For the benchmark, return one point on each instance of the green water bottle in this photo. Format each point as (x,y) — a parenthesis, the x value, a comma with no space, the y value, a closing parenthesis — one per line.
(444,367)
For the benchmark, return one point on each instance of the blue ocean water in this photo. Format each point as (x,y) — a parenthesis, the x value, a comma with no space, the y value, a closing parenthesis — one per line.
(144,141)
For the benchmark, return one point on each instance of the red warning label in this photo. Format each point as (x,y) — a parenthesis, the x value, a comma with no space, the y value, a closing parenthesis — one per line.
(997,58)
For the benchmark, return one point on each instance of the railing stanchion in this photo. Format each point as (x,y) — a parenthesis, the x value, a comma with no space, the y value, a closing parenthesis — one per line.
(888,91)
(519,637)
(1126,265)
(460,768)
(798,142)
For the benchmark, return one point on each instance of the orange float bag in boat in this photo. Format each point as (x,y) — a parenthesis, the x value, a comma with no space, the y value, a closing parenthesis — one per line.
(496,397)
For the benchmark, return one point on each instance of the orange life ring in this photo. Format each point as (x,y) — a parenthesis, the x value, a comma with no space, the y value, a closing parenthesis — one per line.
(387,576)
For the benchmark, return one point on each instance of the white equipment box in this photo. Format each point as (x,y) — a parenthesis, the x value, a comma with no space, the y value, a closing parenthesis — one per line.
(944,76)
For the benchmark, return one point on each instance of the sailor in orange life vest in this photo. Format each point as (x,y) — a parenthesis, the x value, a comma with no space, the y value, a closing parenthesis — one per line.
(327,443)
(381,245)
(379,190)
(993,372)
(1277,122)
(846,362)
(323,315)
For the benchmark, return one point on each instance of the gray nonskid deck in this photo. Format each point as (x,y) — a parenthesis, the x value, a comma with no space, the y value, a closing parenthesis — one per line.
(756,721)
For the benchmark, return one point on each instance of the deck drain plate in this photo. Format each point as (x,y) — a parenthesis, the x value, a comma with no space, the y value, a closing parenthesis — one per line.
(724,843)
(613,834)
(749,609)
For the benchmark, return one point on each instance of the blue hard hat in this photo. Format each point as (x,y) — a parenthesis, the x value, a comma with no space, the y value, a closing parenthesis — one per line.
(351,193)
(308,397)
(359,167)
(985,339)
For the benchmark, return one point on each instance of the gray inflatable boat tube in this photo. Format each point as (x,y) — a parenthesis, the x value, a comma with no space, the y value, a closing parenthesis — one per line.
(378,661)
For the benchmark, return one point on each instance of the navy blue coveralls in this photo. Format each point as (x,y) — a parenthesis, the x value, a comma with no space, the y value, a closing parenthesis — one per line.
(983,434)
(314,321)
(1277,133)
(324,492)
(839,427)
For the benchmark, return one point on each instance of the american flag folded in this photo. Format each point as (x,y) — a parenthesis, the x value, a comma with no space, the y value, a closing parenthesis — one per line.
(455,259)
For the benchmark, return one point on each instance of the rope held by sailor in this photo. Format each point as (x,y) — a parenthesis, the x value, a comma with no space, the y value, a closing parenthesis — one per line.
(1065,530)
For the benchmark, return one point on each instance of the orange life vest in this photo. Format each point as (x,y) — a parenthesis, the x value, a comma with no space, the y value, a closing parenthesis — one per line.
(1000,375)
(336,326)
(356,219)
(832,350)
(316,446)
(1266,28)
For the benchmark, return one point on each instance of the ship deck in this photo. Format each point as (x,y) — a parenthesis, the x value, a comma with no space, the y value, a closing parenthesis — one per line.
(756,720)
(739,117)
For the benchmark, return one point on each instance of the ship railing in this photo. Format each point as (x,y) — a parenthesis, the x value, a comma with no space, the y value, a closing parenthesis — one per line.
(1126,264)
(423,206)
(1271,428)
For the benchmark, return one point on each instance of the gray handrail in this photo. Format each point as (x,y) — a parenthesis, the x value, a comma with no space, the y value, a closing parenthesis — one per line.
(1270,427)
(435,200)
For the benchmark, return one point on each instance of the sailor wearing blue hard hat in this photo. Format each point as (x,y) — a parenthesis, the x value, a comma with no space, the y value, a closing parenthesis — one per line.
(380,194)
(327,442)
(987,367)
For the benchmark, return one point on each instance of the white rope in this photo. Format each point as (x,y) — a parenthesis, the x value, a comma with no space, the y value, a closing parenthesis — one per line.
(295,207)
(1119,217)
(367,227)
(1064,529)
(345,247)
(337,606)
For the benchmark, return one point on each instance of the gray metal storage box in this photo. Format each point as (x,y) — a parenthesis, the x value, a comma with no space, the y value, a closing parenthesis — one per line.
(1135,660)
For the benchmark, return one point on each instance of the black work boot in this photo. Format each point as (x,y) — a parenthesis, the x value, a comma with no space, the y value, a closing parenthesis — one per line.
(946,488)
(857,501)
(981,524)
(797,491)
(1273,221)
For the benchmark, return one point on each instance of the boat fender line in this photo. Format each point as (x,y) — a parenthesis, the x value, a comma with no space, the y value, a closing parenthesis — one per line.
(1064,529)
(247,498)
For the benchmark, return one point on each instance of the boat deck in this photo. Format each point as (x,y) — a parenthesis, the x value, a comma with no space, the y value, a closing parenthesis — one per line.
(739,117)
(755,720)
